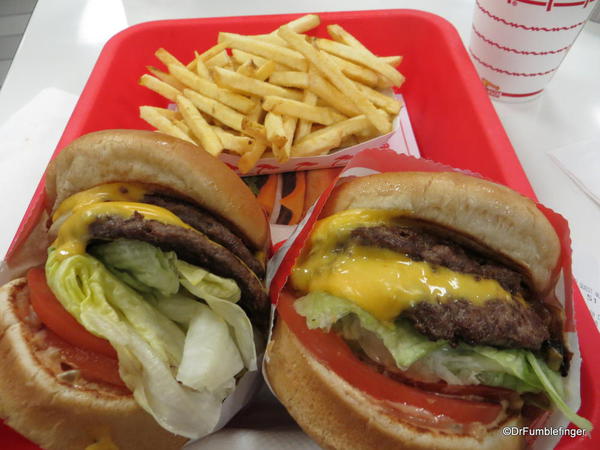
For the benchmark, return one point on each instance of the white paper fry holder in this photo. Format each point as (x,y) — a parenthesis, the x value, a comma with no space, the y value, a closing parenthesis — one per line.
(518,45)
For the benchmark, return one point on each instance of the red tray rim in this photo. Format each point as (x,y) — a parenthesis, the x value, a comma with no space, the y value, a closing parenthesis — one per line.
(484,109)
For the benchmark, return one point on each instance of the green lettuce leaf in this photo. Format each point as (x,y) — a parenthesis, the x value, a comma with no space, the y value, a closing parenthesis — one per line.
(323,310)
(467,364)
(84,286)
(208,283)
(214,364)
(179,356)
(545,376)
(142,266)
(515,369)
(221,297)
(150,270)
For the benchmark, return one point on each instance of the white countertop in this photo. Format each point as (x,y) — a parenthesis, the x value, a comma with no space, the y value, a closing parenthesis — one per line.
(64,38)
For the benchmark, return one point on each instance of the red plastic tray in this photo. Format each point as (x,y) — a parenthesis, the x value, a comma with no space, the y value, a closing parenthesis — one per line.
(451,115)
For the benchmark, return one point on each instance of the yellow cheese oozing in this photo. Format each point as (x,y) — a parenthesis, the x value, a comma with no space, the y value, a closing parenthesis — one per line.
(73,235)
(110,192)
(380,281)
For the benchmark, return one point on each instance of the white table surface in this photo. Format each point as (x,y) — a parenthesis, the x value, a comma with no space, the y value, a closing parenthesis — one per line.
(64,38)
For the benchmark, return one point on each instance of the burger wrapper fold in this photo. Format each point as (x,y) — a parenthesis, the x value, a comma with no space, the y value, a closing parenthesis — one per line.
(29,249)
(379,160)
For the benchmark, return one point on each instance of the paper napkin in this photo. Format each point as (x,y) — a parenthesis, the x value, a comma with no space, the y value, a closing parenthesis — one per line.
(581,161)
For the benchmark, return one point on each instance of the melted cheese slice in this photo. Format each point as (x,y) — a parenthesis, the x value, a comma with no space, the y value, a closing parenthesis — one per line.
(73,235)
(381,281)
(110,192)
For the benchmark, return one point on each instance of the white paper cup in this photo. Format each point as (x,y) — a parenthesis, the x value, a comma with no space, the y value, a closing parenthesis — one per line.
(517,45)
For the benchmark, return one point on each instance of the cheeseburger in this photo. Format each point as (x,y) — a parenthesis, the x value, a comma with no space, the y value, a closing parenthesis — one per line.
(140,322)
(421,314)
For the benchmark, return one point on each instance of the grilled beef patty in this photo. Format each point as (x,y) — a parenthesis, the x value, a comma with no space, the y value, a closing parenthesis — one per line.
(497,323)
(190,246)
(211,227)
(423,246)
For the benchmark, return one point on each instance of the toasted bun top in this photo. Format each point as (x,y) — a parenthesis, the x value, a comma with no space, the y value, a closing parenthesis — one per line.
(157,159)
(490,214)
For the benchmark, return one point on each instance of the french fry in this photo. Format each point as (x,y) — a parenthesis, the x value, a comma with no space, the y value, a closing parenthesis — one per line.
(290,79)
(274,129)
(383,82)
(241,57)
(318,114)
(305,126)
(393,61)
(160,87)
(338,34)
(210,89)
(253,129)
(168,113)
(247,69)
(226,115)
(389,104)
(323,140)
(213,51)
(219,60)
(270,38)
(201,68)
(257,113)
(234,143)
(328,68)
(161,123)
(183,127)
(267,50)
(360,56)
(167,58)
(355,71)
(208,54)
(213,108)
(289,125)
(299,25)
(250,86)
(328,92)
(304,23)
(365,134)
(166,77)
(265,70)
(249,159)
(198,126)
(348,141)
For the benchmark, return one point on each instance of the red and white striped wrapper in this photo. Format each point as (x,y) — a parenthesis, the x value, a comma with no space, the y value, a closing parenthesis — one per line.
(518,45)
(380,160)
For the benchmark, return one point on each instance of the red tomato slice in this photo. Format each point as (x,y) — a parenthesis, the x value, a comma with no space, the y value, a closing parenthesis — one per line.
(93,366)
(56,318)
(487,392)
(331,350)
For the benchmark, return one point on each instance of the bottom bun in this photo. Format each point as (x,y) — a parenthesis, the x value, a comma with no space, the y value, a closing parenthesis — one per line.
(339,416)
(55,414)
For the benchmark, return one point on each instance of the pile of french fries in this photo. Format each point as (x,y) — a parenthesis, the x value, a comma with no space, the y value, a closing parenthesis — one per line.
(283,94)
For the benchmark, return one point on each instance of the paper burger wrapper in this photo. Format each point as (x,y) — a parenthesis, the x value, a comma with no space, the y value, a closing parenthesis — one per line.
(374,161)
(518,45)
